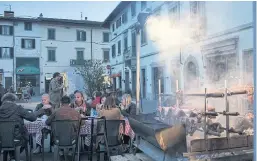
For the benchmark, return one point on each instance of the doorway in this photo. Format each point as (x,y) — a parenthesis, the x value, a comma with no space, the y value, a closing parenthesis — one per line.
(8,82)
(143,83)
(127,82)
(134,76)
(157,75)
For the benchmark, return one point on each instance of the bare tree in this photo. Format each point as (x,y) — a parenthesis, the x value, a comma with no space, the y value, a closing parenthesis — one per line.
(92,74)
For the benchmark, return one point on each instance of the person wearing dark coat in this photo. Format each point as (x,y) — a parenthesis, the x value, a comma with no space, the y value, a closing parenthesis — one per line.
(127,106)
(10,111)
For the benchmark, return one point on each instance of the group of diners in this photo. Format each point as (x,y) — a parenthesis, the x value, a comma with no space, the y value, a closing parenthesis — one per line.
(73,107)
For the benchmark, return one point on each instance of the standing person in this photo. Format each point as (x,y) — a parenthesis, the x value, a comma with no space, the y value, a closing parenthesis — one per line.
(55,90)
(2,92)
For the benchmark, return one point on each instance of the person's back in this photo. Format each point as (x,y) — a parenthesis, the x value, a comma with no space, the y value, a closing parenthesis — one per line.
(64,113)
(10,111)
(110,111)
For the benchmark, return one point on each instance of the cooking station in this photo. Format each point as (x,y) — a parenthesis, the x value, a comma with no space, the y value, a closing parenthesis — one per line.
(164,140)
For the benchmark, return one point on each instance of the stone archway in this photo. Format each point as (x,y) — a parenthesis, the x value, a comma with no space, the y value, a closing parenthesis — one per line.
(191,73)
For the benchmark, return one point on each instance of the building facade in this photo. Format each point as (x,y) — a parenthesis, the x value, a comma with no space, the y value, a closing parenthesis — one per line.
(220,46)
(35,48)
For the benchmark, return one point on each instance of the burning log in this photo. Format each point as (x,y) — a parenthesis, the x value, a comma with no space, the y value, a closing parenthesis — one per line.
(157,133)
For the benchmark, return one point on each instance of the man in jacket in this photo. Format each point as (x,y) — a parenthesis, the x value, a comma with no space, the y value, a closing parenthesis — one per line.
(55,90)
(65,112)
(10,111)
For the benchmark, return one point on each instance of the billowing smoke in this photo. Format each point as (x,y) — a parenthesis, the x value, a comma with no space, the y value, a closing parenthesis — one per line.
(174,37)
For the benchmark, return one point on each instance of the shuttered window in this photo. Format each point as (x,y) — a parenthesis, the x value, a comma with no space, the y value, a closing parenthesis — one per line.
(51,34)
(81,36)
(6,53)
(6,30)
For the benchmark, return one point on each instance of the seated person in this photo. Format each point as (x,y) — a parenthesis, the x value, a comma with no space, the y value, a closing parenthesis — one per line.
(10,111)
(80,104)
(48,110)
(45,104)
(127,106)
(96,99)
(99,106)
(65,113)
(110,111)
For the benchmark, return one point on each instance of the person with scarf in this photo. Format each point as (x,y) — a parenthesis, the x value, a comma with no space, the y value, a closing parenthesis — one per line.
(80,104)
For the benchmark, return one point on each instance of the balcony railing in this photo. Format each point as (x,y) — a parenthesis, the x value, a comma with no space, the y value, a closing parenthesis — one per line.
(75,62)
(130,53)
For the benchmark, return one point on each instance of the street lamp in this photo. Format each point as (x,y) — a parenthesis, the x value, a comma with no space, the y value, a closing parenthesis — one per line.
(141,21)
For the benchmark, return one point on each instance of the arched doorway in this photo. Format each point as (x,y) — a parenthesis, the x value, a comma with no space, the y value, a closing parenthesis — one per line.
(191,74)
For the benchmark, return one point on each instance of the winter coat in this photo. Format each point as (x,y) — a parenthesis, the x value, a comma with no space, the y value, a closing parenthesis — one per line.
(131,110)
(48,112)
(9,111)
(55,90)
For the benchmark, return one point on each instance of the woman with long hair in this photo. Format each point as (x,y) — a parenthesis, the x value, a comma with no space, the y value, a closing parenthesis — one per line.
(127,107)
(110,110)
(80,104)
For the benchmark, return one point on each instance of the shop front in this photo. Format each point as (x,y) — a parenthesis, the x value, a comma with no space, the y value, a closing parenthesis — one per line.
(28,74)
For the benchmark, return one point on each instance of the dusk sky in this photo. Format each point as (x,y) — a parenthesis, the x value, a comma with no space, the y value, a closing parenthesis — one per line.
(94,10)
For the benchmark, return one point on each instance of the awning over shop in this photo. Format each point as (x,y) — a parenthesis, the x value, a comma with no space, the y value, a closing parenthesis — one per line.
(26,70)
(115,75)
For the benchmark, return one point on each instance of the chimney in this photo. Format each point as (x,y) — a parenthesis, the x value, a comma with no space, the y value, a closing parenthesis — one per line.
(85,18)
(8,14)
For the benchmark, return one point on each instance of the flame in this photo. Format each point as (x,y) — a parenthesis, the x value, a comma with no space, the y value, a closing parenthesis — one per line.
(161,141)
